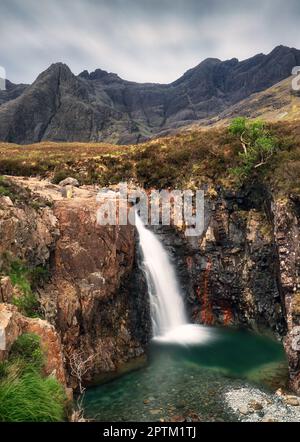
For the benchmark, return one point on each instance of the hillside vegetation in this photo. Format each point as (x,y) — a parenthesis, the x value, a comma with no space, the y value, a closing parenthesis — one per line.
(187,160)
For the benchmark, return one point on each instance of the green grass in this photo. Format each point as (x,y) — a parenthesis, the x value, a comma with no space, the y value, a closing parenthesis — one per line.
(27,348)
(4,187)
(25,394)
(26,280)
(27,301)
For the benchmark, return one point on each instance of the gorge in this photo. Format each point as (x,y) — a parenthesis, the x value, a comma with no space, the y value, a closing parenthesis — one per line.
(242,272)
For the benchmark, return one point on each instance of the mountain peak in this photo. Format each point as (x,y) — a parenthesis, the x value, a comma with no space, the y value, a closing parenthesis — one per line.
(100,74)
(100,106)
(281,49)
(58,66)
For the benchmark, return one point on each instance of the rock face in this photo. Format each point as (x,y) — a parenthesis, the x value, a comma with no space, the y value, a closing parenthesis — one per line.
(230,273)
(100,106)
(11,92)
(287,236)
(26,233)
(96,298)
(90,297)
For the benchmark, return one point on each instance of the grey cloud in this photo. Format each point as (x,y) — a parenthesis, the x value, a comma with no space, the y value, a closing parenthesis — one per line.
(153,40)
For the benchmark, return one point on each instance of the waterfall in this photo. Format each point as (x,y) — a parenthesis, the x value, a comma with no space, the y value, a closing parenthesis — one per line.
(167,308)
(169,319)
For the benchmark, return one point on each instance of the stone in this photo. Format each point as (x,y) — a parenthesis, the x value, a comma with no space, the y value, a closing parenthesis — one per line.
(244,410)
(50,344)
(292,400)
(6,201)
(180,404)
(6,289)
(69,182)
(10,328)
(268,419)
(255,405)
(67,191)
(177,418)
(155,411)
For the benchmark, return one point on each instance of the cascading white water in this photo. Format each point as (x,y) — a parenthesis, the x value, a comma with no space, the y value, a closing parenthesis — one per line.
(168,314)
(167,307)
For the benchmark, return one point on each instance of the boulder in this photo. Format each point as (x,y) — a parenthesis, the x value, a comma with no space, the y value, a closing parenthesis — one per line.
(292,400)
(69,182)
(10,328)
(255,405)
(6,201)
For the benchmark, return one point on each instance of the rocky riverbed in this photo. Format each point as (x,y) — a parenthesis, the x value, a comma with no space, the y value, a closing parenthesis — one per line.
(255,405)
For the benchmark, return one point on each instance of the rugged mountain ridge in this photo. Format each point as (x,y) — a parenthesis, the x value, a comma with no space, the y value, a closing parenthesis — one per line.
(100,106)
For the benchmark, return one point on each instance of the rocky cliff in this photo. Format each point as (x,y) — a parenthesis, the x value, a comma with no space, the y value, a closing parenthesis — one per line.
(287,235)
(97,106)
(91,299)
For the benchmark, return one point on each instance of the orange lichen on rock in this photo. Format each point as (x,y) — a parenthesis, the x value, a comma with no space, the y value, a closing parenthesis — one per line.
(207,316)
(227,316)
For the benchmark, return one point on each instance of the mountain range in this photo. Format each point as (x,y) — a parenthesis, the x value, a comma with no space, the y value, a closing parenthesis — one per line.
(100,106)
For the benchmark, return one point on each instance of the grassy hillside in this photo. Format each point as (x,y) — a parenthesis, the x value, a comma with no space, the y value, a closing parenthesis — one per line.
(275,104)
(187,160)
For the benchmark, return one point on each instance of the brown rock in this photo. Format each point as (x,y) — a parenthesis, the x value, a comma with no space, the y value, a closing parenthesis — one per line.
(6,289)
(69,182)
(10,328)
(6,201)
(292,400)
(254,405)
(244,410)
(85,298)
(155,411)
(177,418)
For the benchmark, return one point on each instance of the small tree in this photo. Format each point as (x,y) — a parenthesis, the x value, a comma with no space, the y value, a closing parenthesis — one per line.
(258,145)
(79,366)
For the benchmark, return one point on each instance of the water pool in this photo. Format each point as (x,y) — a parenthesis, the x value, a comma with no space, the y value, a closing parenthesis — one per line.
(190,379)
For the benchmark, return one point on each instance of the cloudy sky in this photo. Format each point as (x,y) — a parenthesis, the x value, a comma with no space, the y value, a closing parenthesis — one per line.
(141,40)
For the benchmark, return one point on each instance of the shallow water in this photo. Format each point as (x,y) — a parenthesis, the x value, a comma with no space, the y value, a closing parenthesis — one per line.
(181,379)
